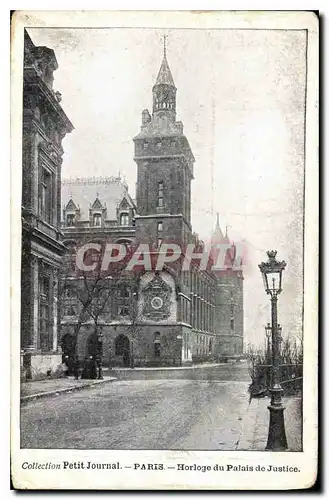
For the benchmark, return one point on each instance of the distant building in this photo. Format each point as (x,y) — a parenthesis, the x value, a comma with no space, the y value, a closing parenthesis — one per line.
(156,318)
(44,126)
(228,311)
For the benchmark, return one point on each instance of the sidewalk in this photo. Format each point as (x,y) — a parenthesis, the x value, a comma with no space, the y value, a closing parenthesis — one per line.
(255,424)
(174,367)
(53,387)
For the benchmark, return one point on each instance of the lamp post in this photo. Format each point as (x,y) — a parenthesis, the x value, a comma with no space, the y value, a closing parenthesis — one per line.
(272,276)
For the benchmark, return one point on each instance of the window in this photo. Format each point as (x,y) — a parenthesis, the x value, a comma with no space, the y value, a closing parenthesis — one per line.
(232,323)
(45,324)
(97,220)
(145,145)
(124,292)
(70,310)
(70,220)
(159,235)
(124,311)
(46,196)
(94,256)
(69,293)
(160,194)
(124,219)
(157,345)
(123,300)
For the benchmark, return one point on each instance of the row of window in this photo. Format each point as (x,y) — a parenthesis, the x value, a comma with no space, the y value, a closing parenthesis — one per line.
(159,144)
(97,219)
(164,105)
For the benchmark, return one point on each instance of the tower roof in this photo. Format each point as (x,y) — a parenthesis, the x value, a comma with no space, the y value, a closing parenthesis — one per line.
(160,126)
(164,76)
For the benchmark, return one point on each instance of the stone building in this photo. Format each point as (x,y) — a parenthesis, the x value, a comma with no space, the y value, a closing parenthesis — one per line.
(44,126)
(164,317)
(228,300)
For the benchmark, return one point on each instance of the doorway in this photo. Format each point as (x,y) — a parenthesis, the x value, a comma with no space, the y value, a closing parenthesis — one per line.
(122,348)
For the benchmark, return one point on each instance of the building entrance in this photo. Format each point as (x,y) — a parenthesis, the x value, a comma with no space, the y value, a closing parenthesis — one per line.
(122,349)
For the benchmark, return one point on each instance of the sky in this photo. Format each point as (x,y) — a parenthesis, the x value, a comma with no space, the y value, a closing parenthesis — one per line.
(240,95)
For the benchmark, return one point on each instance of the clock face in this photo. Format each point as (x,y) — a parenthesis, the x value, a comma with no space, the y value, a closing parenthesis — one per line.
(157,302)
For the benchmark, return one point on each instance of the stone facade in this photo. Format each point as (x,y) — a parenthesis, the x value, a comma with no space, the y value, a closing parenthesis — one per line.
(44,126)
(166,317)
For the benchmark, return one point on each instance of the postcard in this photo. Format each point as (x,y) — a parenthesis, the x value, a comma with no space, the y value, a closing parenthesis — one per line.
(164,250)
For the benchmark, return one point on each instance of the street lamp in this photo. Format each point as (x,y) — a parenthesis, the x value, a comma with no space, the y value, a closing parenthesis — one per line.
(272,276)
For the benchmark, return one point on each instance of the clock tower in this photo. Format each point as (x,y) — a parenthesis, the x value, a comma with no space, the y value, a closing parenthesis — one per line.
(164,169)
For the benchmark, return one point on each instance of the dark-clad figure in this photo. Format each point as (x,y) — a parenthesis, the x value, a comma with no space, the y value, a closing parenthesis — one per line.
(126,358)
(93,362)
(68,352)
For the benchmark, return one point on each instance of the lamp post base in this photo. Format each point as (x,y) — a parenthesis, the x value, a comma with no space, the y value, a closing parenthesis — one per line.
(276,440)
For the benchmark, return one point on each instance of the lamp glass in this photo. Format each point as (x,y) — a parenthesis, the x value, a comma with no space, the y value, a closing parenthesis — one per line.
(273,279)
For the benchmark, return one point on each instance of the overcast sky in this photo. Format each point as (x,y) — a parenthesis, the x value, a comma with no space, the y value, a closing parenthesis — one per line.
(240,95)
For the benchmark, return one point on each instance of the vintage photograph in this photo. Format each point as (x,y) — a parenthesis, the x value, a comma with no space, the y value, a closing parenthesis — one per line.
(162,244)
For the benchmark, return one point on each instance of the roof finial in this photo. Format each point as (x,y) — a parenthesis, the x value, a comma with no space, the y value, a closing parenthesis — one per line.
(217,222)
(164,46)
(226,231)
(97,194)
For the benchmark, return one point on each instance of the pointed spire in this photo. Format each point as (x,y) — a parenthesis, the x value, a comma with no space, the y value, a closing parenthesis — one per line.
(217,235)
(164,75)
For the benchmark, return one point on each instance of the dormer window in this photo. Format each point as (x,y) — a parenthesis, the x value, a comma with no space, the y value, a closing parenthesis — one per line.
(97,220)
(70,220)
(124,219)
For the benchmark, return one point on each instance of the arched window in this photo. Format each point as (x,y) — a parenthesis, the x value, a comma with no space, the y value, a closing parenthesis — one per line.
(124,219)
(125,242)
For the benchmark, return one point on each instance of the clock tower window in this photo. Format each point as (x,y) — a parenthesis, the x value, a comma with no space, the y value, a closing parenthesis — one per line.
(160,194)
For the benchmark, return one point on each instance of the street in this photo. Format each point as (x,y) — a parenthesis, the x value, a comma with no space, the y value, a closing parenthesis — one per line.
(140,414)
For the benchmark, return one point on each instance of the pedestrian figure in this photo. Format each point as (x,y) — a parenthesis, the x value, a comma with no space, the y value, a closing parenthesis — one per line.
(68,348)
(126,358)
(93,362)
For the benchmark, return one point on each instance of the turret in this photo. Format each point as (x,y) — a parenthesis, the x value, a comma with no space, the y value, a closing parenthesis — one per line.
(164,90)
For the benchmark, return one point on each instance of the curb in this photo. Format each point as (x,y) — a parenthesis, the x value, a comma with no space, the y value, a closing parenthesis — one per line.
(169,368)
(57,392)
